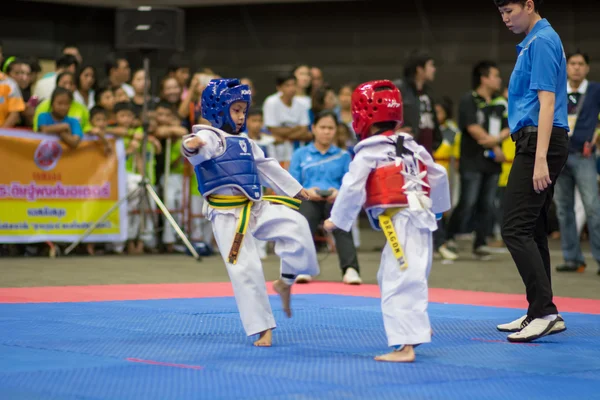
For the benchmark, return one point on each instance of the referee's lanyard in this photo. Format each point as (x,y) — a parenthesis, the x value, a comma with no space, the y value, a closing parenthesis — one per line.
(573,109)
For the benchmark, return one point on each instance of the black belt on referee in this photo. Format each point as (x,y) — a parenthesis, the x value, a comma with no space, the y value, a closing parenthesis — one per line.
(522,132)
(533,129)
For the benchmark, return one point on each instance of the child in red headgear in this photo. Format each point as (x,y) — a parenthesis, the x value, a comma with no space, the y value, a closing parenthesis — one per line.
(403,191)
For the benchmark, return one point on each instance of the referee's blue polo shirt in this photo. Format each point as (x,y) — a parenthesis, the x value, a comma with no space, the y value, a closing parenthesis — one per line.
(541,65)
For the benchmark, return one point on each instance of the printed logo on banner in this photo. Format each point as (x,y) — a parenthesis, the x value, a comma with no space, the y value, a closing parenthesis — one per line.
(47,154)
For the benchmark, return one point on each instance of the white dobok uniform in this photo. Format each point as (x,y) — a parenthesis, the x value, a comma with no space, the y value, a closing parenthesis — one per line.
(269,222)
(404,292)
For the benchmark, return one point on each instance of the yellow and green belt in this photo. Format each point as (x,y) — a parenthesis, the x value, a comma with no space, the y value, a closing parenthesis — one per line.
(227,202)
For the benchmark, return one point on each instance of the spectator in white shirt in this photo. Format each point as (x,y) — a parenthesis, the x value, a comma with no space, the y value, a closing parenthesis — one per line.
(85,83)
(45,86)
(286,117)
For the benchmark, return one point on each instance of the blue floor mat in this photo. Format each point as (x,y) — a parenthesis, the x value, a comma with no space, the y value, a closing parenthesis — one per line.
(196,349)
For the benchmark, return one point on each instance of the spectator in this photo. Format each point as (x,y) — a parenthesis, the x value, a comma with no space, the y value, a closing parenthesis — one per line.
(11,102)
(286,117)
(254,130)
(580,171)
(67,50)
(483,121)
(180,70)
(105,98)
(66,80)
(134,165)
(121,95)
(168,126)
(345,111)
(99,122)
(86,85)
(35,68)
(419,107)
(20,71)
(444,156)
(73,50)
(57,122)
(508,149)
(344,138)
(45,86)
(170,91)
(420,119)
(303,84)
(118,73)
(316,78)
(320,167)
(137,101)
(323,99)
(190,110)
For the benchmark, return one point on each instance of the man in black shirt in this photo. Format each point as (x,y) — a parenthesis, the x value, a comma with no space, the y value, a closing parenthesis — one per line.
(419,108)
(421,122)
(483,122)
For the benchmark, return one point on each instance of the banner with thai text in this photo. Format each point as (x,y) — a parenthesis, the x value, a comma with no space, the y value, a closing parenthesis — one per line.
(50,192)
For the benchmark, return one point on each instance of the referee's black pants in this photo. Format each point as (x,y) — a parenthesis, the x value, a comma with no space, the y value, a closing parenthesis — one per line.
(524,227)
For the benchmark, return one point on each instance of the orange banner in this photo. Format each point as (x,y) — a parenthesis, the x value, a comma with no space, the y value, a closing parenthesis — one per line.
(50,192)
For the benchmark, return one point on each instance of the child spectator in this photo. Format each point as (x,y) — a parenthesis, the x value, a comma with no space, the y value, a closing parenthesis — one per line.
(56,120)
(168,126)
(99,121)
(133,140)
(66,80)
(105,98)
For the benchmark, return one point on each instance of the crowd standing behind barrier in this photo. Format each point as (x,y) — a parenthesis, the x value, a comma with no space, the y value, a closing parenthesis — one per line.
(88,136)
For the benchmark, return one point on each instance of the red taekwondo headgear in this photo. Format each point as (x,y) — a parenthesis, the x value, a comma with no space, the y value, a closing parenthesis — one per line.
(373,102)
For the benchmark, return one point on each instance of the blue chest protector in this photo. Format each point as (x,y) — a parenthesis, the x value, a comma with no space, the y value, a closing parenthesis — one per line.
(235,168)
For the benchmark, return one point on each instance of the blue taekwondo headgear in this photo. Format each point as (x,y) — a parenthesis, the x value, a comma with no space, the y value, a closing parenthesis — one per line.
(218,97)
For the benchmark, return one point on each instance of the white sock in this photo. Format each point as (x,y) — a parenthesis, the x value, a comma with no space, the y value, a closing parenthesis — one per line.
(550,317)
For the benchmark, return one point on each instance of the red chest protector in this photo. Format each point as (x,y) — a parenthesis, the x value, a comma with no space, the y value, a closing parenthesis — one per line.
(385,184)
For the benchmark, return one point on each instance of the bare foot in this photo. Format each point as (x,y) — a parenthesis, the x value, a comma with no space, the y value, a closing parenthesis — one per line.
(265,338)
(285,292)
(407,354)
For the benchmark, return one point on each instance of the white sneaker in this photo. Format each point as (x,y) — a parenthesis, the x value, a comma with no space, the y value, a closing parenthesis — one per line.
(514,326)
(481,253)
(518,324)
(447,254)
(534,330)
(351,277)
(559,326)
(303,278)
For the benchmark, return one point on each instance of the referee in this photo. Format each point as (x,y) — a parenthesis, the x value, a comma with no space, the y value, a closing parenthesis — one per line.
(537,118)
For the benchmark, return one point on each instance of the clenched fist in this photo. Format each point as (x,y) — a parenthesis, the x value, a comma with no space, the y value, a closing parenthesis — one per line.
(194,143)
(329,226)
(303,195)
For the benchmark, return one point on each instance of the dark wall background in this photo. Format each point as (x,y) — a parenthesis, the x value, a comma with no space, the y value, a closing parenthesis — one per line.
(351,41)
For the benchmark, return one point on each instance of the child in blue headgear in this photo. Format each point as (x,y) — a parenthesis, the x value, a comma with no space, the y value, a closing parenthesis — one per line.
(231,170)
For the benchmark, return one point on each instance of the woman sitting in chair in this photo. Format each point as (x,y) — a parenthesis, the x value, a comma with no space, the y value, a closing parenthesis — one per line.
(320,167)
